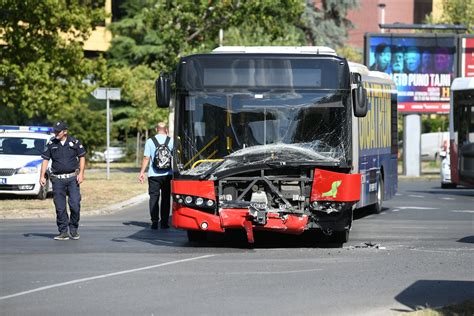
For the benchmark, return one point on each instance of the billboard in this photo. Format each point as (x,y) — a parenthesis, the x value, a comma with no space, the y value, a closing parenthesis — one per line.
(467,56)
(421,65)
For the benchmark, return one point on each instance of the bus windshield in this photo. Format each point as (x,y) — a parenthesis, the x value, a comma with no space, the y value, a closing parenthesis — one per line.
(247,115)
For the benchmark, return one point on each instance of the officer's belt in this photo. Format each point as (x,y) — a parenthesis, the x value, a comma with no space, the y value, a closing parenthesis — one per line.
(64,175)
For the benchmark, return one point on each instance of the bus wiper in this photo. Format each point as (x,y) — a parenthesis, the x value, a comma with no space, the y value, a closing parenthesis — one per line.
(211,170)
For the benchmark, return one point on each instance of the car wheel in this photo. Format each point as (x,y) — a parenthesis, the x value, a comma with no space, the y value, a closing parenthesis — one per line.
(448,185)
(43,192)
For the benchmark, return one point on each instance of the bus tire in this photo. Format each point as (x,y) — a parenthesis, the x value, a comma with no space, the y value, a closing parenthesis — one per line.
(377,207)
(196,235)
(340,236)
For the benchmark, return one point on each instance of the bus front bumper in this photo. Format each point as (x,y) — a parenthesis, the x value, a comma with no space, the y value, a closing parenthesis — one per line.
(191,219)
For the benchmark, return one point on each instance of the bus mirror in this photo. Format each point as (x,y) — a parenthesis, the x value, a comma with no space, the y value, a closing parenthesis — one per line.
(359,96)
(163,91)
(356,78)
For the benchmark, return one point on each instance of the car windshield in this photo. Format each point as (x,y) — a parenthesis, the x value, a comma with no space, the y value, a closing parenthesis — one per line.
(22,146)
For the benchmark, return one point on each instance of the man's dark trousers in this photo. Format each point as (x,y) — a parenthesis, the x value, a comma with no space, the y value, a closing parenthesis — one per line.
(155,185)
(61,188)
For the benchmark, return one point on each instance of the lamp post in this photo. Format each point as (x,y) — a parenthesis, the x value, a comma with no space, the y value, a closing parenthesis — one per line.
(382,15)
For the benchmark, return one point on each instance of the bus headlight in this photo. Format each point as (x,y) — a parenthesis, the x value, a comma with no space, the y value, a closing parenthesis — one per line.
(199,201)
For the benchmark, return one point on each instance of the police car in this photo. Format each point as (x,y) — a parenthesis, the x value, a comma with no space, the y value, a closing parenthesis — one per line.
(20,160)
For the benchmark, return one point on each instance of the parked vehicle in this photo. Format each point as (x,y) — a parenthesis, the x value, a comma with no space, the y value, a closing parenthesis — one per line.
(20,160)
(115,154)
(461,132)
(431,145)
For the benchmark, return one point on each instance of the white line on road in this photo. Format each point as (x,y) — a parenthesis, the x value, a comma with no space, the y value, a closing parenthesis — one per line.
(447,198)
(416,208)
(462,211)
(417,196)
(396,210)
(103,276)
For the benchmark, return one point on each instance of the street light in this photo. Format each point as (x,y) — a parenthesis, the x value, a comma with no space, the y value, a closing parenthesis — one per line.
(382,14)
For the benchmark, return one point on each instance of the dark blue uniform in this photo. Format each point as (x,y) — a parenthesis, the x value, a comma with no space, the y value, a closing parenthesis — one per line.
(65,162)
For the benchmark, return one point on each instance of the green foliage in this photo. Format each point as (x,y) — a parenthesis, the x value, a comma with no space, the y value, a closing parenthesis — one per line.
(351,53)
(162,31)
(42,65)
(325,23)
(459,12)
(138,110)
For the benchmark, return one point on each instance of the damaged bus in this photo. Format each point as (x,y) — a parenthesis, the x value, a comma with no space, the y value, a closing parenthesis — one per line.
(282,139)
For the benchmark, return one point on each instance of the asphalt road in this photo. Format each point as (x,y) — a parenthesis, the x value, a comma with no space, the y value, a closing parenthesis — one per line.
(418,252)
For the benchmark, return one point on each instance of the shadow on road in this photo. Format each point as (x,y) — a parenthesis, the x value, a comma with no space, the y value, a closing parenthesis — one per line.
(49,236)
(435,293)
(234,239)
(468,240)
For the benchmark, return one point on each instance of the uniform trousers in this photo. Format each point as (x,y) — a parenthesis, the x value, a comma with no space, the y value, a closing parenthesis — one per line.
(61,189)
(157,185)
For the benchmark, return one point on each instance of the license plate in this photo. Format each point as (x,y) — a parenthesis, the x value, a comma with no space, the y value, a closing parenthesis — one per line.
(3,180)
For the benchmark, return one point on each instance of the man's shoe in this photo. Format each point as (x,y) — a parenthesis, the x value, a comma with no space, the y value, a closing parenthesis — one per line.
(62,236)
(75,236)
(154,225)
(164,226)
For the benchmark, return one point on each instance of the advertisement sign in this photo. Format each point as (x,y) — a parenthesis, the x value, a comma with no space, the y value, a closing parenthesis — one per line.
(467,56)
(422,66)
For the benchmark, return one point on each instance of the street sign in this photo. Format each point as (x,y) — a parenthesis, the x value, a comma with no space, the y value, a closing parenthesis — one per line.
(106,93)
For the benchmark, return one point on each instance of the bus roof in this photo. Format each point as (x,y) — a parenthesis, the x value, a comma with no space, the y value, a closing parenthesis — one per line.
(317,50)
(465,83)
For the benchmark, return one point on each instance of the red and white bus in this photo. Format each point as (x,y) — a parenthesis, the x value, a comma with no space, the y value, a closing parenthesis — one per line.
(461,132)
(282,139)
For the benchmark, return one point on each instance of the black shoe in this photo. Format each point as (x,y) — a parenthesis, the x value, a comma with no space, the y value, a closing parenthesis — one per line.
(62,236)
(164,226)
(154,225)
(75,236)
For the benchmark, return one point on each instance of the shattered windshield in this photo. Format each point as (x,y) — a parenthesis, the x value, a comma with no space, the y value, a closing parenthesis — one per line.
(220,129)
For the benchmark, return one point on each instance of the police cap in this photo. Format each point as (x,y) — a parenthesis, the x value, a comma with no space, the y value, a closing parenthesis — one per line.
(59,126)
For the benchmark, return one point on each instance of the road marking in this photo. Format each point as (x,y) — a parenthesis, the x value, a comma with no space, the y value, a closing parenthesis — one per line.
(396,210)
(102,276)
(416,208)
(462,211)
(447,198)
(417,196)
(398,194)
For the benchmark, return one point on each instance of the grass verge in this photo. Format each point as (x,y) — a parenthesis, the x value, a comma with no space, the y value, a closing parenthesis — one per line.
(97,194)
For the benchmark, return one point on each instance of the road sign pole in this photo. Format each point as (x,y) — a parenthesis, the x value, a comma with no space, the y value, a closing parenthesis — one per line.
(107,160)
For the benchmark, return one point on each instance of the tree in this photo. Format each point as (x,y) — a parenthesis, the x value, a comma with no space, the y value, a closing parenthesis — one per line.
(42,65)
(458,12)
(325,23)
(160,32)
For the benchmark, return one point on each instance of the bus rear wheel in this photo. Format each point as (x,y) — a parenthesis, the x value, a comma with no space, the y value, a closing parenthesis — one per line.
(377,207)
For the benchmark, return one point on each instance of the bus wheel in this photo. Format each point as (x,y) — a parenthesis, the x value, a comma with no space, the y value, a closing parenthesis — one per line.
(196,235)
(377,207)
(340,236)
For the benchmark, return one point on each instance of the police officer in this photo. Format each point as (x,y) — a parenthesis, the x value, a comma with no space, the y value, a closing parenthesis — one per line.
(67,173)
